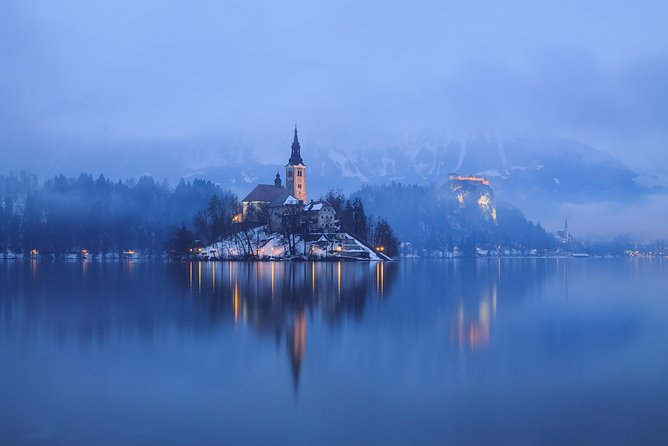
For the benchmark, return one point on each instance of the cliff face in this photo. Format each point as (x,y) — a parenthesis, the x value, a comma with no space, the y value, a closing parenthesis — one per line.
(471,192)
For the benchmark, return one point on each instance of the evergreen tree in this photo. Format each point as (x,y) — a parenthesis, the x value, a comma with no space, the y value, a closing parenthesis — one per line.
(336,199)
(382,236)
(358,219)
(180,242)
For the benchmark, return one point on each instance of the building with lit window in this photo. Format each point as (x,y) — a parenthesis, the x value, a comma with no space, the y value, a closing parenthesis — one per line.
(319,216)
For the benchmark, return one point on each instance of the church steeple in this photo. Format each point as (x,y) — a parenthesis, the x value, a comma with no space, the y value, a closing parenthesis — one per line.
(295,156)
(277,180)
(295,172)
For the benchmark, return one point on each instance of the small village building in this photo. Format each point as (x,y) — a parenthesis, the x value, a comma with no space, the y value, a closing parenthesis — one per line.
(319,216)
(282,207)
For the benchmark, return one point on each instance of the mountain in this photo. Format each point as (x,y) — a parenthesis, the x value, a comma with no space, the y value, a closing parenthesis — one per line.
(549,178)
(535,173)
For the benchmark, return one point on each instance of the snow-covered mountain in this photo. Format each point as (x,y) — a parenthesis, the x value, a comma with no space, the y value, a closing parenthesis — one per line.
(519,168)
(546,177)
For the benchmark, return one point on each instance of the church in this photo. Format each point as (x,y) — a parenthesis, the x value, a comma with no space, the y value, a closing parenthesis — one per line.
(283,225)
(271,202)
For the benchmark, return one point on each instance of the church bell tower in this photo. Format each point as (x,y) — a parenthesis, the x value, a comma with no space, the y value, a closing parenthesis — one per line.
(295,172)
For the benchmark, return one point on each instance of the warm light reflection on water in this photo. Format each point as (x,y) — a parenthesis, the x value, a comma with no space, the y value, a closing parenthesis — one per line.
(372,351)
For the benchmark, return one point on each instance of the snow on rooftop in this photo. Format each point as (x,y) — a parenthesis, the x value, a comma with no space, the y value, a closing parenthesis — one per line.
(316,205)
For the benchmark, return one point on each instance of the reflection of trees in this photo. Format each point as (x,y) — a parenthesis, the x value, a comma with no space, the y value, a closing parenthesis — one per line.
(93,302)
(278,298)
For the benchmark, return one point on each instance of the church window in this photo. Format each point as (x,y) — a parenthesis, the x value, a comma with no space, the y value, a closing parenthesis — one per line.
(299,173)
(299,186)
(289,174)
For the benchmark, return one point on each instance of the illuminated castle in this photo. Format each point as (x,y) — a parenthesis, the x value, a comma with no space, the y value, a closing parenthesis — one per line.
(467,190)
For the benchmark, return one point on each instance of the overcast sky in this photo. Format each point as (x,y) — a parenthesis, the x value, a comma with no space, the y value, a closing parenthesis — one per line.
(159,70)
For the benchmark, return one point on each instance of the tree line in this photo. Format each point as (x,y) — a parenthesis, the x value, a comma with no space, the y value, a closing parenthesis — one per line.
(429,218)
(215,221)
(376,231)
(67,215)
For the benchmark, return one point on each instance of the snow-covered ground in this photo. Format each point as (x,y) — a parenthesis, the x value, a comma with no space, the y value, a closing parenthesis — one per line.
(262,244)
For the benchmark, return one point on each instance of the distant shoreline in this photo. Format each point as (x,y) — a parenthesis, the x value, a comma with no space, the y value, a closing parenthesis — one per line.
(60,258)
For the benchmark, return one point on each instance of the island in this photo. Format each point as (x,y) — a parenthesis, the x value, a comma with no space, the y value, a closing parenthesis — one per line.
(277,222)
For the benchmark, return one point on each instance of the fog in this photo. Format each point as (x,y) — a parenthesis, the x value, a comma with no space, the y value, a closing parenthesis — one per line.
(192,80)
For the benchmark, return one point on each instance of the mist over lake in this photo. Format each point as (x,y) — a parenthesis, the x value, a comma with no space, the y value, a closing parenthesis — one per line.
(333,223)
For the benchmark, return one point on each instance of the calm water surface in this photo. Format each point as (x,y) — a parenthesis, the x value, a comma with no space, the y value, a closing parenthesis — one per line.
(510,351)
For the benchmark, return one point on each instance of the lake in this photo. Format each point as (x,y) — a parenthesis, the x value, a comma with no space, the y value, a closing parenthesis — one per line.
(416,352)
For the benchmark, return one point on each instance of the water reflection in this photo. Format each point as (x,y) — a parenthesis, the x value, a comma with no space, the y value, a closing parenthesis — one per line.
(93,302)
(470,292)
(267,296)
(418,351)
(277,299)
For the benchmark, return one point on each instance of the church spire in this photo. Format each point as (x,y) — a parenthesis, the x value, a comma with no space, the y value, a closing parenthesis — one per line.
(295,172)
(295,156)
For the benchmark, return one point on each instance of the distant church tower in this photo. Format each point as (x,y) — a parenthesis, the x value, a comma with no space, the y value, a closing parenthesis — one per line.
(295,172)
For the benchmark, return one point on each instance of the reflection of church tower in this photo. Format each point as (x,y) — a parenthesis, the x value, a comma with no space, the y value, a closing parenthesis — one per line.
(295,172)
(297,346)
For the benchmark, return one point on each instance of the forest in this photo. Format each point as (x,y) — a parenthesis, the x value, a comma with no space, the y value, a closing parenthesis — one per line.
(67,215)
(432,221)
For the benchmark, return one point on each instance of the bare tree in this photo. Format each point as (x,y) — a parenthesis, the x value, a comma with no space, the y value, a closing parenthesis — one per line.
(291,219)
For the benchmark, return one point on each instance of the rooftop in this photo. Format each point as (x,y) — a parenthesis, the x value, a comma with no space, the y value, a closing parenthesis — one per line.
(316,205)
(265,193)
(284,199)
